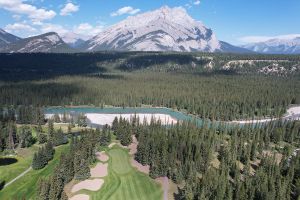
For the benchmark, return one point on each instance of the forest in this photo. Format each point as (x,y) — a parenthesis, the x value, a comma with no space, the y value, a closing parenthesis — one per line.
(178,81)
(205,162)
(251,162)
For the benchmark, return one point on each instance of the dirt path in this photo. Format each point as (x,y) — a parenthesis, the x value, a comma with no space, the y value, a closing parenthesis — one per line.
(166,188)
(164,182)
(18,177)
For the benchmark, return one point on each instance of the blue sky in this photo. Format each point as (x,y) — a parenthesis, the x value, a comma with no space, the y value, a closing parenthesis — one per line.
(234,21)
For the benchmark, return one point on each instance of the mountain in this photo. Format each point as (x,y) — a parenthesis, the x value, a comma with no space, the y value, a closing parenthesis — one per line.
(73,39)
(7,38)
(46,43)
(276,46)
(228,48)
(165,29)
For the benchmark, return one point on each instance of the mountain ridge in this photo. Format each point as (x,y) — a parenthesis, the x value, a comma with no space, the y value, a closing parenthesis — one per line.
(49,42)
(276,46)
(7,38)
(165,29)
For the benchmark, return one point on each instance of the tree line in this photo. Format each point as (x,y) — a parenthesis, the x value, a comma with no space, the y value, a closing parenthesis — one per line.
(73,164)
(216,97)
(217,162)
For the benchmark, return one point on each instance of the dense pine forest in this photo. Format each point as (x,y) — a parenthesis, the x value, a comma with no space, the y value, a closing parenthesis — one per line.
(250,162)
(209,162)
(179,81)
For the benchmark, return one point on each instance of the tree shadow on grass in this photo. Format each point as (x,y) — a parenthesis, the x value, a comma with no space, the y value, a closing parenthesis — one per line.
(2,184)
(7,161)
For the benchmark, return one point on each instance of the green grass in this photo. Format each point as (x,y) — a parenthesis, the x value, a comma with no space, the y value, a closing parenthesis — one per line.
(26,187)
(120,162)
(125,182)
(24,157)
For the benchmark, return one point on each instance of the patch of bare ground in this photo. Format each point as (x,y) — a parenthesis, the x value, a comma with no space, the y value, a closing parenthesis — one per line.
(80,197)
(133,146)
(24,152)
(276,155)
(100,170)
(242,166)
(68,188)
(169,187)
(215,161)
(102,156)
(132,150)
(92,185)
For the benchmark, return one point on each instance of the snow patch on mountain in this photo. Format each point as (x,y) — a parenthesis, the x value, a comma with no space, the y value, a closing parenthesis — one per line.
(3,32)
(54,39)
(165,29)
(276,46)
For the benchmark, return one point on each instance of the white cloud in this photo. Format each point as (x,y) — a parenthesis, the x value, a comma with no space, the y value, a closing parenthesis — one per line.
(19,28)
(34,13)
(69,9)
(188,5)
(255,39)
(125,10)
(197,2)
(88,29)
(83,31)
(17,17)
(48,27)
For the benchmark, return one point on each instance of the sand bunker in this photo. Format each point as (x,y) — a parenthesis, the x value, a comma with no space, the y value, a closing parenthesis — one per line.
(145,169)
(80,197)
(92,185)
(102,156)
(99,171)
(102,119)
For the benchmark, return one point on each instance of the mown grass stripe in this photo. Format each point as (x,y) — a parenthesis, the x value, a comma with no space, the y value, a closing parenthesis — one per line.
(125,187)
(125,182)
(139,187)
(131,187)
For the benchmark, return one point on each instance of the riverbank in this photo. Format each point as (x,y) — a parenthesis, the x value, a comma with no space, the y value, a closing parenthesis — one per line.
(102,116)
(293,113)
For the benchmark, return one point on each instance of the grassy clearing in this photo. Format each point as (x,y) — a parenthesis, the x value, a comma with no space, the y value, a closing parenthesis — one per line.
(25,187)
(24,157)
(125,182)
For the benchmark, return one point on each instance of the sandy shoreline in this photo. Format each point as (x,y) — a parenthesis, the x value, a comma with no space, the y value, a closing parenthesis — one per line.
(292,112)
(103,119)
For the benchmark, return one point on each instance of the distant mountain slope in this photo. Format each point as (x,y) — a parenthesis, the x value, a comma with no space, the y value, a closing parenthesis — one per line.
(7,38)
(228,48)
(73,39)
(276,46)
(46,43)
(165,29)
